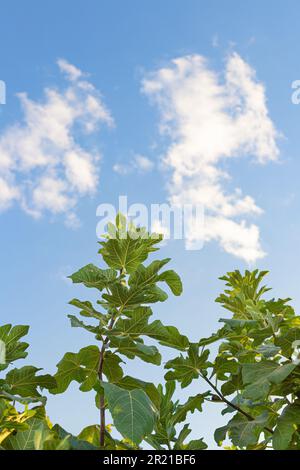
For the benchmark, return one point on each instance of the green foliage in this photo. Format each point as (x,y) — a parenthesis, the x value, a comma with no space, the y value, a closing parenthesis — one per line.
(123,328)
(186,369)
(132,411)
(23,386)
(256,372)
(81,367)
(11,348)
(169,431)
(265,380)
(24,424)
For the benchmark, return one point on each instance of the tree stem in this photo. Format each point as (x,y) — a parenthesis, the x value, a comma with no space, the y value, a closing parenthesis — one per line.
(100,375)
(102,399)
(232,405)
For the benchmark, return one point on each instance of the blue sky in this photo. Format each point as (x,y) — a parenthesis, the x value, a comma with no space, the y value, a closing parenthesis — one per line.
(120,44)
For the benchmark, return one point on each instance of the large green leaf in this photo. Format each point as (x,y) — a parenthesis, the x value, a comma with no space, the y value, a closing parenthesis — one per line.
(132,411)
(258,377)
(91,434)
(41,435)
(132,349)
(171,278)
(131,383)
(76,443)
(137,324)
(81,367)
(87,309)
(286,341)
(111,367)
(25,440)
(145,277)
(170,413)
(196,444)
(223,367)
(128,253)
(92,276)
(25,381)
(11,420)
(219,335)
(121,296)
(193,403)
(52,443)
(186,369)
(15,349)
(76,323)
(164,426)
(19,399)
(286,426)
(242,431)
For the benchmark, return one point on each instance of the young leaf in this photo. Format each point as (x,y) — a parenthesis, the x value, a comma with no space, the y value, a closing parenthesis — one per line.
(127,254)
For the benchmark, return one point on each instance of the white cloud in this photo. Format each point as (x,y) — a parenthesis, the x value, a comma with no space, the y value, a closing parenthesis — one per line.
(157,226)
(70,70)
(209,119)
(72,221)
(8,193)
(80,170)
(122,168)
(138,163)
(143,163)
(51,194)
(43,164)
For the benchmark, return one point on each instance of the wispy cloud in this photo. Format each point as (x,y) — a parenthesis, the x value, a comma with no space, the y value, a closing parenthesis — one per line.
(138,163)
(43,165)
(209,119)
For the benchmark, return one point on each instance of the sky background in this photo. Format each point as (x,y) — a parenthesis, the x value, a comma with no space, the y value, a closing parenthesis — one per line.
(110,121)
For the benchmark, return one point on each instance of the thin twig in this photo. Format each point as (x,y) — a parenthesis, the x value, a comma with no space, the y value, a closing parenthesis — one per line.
(232,405)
